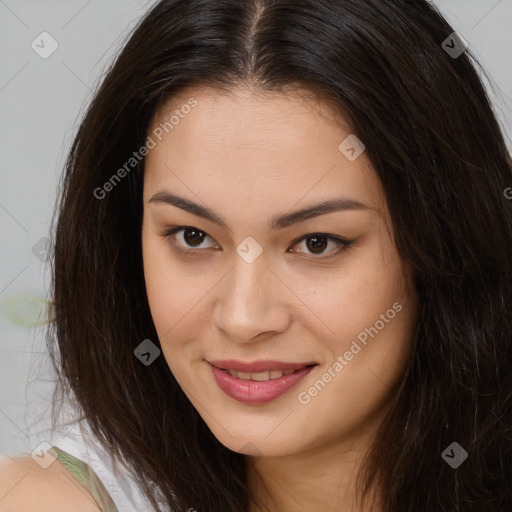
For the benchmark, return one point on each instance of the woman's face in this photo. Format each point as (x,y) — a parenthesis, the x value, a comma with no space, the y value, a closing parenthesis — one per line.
(248,281)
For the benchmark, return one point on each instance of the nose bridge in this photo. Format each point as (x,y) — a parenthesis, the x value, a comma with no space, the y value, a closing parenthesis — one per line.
(247,294)
(248,304)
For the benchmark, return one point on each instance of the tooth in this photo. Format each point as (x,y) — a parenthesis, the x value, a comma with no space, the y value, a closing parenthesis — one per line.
(260,376)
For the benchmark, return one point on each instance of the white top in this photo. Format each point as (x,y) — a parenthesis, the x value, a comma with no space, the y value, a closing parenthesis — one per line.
(78,440)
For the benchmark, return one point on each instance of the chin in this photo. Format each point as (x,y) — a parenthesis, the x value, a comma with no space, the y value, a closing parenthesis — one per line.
(263,445)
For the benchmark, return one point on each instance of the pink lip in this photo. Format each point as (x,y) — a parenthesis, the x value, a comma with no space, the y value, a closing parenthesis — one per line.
(257,366)
(257,392)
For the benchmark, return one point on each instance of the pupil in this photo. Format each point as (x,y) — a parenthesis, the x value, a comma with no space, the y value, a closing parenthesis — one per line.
(316,245)
(195,238)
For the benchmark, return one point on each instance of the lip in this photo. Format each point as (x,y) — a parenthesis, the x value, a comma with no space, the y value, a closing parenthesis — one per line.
(257,366)
(253,392)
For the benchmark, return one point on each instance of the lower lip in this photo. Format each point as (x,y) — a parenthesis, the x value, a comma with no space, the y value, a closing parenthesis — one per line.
(257,392)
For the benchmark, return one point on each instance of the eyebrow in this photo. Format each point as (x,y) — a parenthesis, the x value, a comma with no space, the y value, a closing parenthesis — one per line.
(277,222)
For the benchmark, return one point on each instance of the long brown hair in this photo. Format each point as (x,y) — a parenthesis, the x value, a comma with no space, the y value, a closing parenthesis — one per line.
(436,146)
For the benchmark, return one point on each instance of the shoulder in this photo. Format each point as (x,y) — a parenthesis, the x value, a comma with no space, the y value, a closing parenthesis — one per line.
(25,486)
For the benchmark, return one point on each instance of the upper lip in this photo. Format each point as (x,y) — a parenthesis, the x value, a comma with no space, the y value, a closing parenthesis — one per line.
(258,366)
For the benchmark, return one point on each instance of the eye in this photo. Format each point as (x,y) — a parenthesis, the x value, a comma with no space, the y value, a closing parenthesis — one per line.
(316,243)
(191,237)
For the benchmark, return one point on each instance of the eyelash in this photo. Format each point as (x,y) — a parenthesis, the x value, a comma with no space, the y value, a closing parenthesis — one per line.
(342,243)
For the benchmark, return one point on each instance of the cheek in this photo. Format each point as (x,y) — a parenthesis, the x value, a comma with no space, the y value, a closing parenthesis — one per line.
(371,316)
(354,297)
(374,350)
(163,285)
(154,276)
(165,291)
(174,291)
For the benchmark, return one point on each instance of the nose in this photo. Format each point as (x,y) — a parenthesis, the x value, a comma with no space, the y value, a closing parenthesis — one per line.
(252,302)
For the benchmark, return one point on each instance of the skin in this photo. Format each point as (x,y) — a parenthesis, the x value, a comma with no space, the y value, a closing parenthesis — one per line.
(250,156)
(24,486)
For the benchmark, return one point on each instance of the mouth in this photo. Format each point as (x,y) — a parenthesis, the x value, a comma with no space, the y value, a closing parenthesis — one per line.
(258,387)
(260,370)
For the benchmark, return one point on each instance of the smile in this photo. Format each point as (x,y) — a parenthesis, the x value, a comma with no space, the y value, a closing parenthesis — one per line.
(260,376)
(258,387)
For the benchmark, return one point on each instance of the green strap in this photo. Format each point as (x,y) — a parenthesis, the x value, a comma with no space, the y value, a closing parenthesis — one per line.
(86,476)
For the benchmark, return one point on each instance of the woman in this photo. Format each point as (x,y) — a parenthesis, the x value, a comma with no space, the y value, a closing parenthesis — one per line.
(213,340)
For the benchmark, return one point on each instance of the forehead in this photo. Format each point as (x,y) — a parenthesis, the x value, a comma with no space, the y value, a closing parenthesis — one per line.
(246,147)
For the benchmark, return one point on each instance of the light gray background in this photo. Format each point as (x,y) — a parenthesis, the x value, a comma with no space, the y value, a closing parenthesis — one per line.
(40,102)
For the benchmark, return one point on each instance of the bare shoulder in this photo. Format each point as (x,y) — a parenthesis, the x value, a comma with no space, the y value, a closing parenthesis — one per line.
(25,486)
